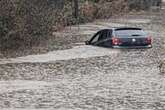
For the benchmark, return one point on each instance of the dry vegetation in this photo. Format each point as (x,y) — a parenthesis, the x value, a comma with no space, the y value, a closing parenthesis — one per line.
(28,23)
(24,22)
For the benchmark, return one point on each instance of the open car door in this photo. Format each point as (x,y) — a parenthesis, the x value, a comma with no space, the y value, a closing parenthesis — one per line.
(102,38)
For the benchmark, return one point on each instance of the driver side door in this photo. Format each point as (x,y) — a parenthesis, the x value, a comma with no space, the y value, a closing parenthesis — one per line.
(95,38)
(102,38)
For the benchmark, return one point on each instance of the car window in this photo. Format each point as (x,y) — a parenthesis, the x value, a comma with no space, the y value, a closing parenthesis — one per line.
(96,38)
(109,34)
(101,35)
(126,33)
(105,34)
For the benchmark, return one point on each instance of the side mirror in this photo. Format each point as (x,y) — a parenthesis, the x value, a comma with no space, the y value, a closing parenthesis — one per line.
(87,43)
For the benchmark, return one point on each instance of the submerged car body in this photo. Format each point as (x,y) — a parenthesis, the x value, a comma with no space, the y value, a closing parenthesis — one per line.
(125,37)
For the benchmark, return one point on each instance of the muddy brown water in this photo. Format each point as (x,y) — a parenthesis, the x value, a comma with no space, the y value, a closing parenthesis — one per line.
(87,78)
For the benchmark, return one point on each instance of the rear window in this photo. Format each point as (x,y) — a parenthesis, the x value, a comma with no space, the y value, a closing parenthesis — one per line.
(129,32)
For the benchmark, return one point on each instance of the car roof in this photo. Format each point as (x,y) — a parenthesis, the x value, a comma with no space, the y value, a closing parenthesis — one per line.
(121,28)
(127,28)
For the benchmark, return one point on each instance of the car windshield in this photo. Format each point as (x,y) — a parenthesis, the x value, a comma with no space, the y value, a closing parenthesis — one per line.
(130,33)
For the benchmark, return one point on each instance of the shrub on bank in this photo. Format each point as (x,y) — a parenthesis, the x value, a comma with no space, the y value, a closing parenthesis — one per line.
(25,22)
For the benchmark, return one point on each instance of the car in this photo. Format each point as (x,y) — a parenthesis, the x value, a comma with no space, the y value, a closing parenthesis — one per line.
(121,37)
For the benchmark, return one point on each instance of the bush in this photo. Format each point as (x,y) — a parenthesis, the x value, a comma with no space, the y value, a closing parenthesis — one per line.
(113,7)
(25,22)
(101,9)
(7,21)
(143,4)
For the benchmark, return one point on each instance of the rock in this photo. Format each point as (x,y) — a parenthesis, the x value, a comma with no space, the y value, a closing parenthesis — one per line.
(162,66)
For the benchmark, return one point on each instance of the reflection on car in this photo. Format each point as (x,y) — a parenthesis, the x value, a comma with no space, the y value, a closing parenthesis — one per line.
(123,37)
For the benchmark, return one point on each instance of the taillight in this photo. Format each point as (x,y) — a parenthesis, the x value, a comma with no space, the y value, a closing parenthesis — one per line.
(116,41)
(149,40)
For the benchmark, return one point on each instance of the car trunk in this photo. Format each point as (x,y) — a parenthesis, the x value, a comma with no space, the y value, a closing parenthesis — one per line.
(133,41)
